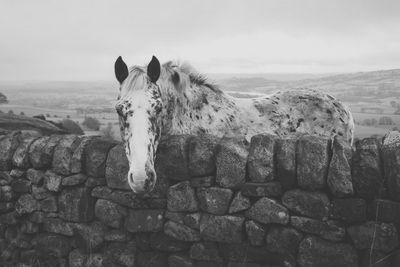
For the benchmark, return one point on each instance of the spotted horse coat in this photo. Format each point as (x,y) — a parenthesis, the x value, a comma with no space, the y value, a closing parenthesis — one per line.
(174,99)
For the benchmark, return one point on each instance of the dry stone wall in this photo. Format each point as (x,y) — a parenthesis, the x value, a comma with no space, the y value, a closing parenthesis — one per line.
(300,201)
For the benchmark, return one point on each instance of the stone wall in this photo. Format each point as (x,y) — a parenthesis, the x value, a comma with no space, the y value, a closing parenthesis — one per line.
(300,201)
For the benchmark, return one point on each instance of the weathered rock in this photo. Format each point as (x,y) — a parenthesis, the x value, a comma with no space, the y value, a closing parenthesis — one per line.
(94,181)
(329,230)
(349,210)
(214,200)
(391,154)
(96,151)
(78,157)
(205,251)
(40,192)
(201,155)
(255,233)
(20,158)
(18,173)
(181,232)
(122,254)
(96,260)
(63,154)
(117,167)
(26,204)
(41,151)
(35,176)
(49,204)
(180,260)
(206,181)
(75,179)
(51,244)
(145,221)
(109,213)
(6,193)
(316,252)
(57,226)
(76,205)
(163,242)
(8,145)
(312,166)
(286,162)
(385,210)
(52,181)
(339,173)
(379,236)
(172,158)
(175,216)
(231,160)
(5,178)
(225,229)
(366,168)
(89,237)
(311,204)
(117,235)
(283,239)
(270,189)
(76,258)
(267,211)
(239,203)
(260,164)
(181,197)
(21,186)
(192,220)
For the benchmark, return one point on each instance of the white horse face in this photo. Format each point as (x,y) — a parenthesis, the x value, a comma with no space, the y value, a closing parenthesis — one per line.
(138,107)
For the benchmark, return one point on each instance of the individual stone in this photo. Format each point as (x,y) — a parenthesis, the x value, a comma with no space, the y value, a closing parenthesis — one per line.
(26,204)
(239,203)
(329,230)
(96,260)
(225,229)
(89,237)
(379,236)
(6,193)
(283,239)
(163,242)
(117,167)
(6,206)
(8,145)
(312,166)
(52,181)
(109,213)
(151,258)
(93,182)
(41,151)
(75,179)
(214,200)
(116,235)
(20,158)
(40,192)
(5,178)
(260,163)
(270,189)
(96,151)
(179,260)
(28,227)
(76,258)
(10,218)
(286,162)
(78,157)
(231,160)
(181,232)
(311,204)
(181,197)
(52,244)
(206,181)
(35,176)
(192,220)
(385,210)
(76,204)
(17,173)
(21,186)
(122,254)
(205,251)
(172,158)
(339,174)
(376,258)
(63,152)
(349,210)
(366,168)
(391,155)
(49,204)
(145,221)
(267,211)
(255,233)
(175,216)
(36,217)
(201,150)
(316,252)
(58,226)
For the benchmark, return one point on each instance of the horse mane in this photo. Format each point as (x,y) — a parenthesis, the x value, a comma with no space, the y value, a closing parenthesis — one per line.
(195,77)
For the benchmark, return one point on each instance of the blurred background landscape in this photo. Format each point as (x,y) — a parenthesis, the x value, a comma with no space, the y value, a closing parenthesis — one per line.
(373,98)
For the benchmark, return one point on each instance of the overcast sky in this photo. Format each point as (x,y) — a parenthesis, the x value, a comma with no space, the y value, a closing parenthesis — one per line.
(80,40)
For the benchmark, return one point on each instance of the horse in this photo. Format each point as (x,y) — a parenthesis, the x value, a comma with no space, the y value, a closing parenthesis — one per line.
(174,98)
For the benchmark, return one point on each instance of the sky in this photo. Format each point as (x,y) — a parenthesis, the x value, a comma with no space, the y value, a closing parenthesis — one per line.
(80,39)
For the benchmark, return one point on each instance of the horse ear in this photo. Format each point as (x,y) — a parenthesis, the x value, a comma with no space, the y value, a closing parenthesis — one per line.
(154,69)
(121,70)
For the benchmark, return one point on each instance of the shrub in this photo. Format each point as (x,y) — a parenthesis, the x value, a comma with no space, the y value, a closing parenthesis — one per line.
(71,127)
(10,111)
(91,123)
(108,132)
